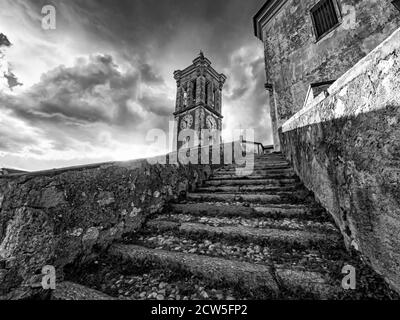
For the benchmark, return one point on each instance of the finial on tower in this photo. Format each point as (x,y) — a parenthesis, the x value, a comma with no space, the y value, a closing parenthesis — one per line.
(201,59)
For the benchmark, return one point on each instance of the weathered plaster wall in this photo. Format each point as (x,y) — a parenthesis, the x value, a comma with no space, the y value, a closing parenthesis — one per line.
(294,59)
(346,149)
(63,216)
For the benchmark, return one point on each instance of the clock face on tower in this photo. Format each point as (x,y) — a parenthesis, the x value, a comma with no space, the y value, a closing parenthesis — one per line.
(211,123)
(186,122)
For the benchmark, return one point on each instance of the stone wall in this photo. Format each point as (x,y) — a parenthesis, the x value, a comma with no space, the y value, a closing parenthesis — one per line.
(64,216)
(294,59)
(346,149)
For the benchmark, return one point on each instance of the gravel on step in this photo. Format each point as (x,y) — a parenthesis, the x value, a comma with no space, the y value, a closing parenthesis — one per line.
(154,285)
(252,253)
(285,224)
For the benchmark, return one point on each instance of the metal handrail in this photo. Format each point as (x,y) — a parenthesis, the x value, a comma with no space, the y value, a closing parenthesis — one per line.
(261,147)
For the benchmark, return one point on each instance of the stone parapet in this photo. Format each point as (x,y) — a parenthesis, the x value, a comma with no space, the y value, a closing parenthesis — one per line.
(66,216)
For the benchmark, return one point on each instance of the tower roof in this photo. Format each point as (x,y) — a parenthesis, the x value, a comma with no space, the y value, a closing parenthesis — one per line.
(200,61)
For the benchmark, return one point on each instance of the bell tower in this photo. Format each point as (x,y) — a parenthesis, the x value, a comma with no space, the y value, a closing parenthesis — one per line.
(199,103)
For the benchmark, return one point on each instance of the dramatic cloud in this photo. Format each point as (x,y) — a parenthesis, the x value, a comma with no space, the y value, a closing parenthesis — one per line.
(7,77)
(94,87)
(245,96)
(81,109)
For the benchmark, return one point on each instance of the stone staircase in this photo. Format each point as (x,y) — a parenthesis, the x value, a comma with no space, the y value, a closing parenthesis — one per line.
(253,235)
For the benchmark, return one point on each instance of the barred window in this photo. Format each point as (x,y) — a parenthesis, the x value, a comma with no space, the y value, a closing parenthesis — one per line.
(326,16)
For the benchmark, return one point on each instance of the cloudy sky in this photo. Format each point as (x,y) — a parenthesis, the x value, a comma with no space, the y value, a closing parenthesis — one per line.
(91,90)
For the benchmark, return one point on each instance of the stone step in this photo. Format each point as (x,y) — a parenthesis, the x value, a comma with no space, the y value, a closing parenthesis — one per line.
(254,222)
(124,281)
(247,175)
(270,159)
(313,284)
(258,165)
(229,210)
(255,166)
(309,262)
(270,155)
(247,188)
(263,236)
(254,173)
(258,281)
(262,198)
(72,291)
(265,159)
(308,259)
(251,171)
(254,279)
(254,182)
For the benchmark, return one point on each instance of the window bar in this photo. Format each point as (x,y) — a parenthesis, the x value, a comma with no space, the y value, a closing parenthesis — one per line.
(318,22)
(323,16)
(322,23)
(329,14)
(335,16)
(325,24)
